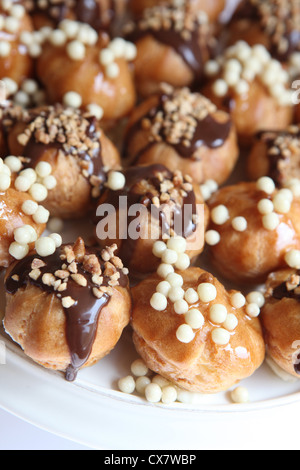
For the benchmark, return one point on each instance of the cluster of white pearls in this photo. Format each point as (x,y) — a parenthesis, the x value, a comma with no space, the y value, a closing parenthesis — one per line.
(241,64)
(208,188)
(36,182)
(118,48)
(28,95)
(10,23)
(273,205)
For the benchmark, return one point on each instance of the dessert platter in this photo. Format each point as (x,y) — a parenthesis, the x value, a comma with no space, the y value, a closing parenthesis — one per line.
(149,216)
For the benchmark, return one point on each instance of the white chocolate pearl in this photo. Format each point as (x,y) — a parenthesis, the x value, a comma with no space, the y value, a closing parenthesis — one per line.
(265,206)
(50,182)
(38,192)
(191,296)
(127,384)
(220,336)
(139,368)
(141,384)
(231,322)
(256,297)
(76,50)
(116,181)
(5,48)
(117,46)
(175,294)
(43,169)
(164,270)
(253,310)
(45,246)
(207,292)
(159,302)
(181,307)
(169,256)
(175,280)
(130,52)
(106,57)
(212,237)
(183,262)
(240,395)
(185,334)
(281,204)
(41,216)
(220,215)
(153,393)
(238,300)
(220,87)
(266,185)
(158,248)
(30,174)
(271,221)
(22,184)
(112,70)
(72,99)
(292,258)
(5,182)
(57,239)
(18,251)
(194,319)
(29,207)
(218,313)
(239,224)
(25,235)
(95,110)
(177,244)
(169,395)
(163,288)
(13,163)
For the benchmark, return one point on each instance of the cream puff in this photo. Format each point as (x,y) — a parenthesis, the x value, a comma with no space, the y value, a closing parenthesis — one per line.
(194,333)
(201,144)
(255,89)
(67,310)
(173,44)
(144,204)
(71,146)
(252,227)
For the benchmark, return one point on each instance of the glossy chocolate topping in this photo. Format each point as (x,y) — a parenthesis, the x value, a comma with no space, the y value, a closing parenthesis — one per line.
(81,317)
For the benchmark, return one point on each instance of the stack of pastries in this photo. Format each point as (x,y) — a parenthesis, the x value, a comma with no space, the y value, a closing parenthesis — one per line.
(173,138)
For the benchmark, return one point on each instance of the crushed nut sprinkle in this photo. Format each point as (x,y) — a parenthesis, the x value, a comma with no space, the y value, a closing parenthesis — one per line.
(280,20)
(176,120)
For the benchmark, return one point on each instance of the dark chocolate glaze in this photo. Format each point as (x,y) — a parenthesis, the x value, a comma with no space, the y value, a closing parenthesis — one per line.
(269,138)
(82,318)
(208,133)
(134,175)
(189,50)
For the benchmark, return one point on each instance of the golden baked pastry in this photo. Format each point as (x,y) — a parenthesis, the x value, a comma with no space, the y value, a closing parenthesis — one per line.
(272,23)
(276,154)
(173,44)
(212,9)
(202,144)
(77,149)
(88,70)
(147,203)
(281,318)
(203,344)
(255,89)
(256,224)
(67,310)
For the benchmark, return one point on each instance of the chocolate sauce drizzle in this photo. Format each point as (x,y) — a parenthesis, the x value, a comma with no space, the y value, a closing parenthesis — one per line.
(134,176)
(82,318)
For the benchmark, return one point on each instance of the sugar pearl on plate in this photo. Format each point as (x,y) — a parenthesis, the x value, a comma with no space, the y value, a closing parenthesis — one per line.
(139,368)
(127,384)
(141,384)
(169,395)
(240,395)
(153,393)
